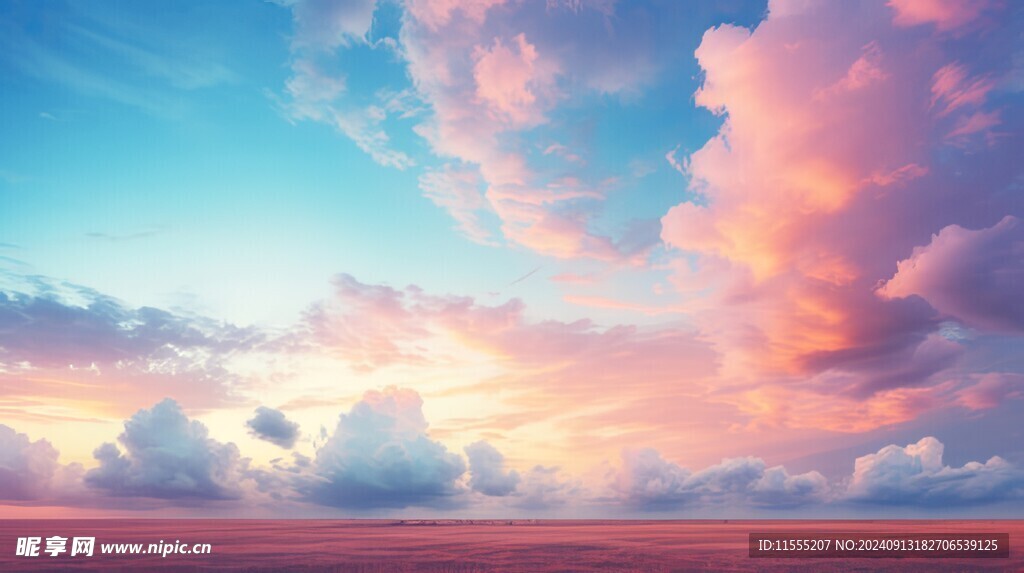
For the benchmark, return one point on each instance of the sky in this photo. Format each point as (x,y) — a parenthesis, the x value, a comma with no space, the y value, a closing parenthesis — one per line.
(510,258)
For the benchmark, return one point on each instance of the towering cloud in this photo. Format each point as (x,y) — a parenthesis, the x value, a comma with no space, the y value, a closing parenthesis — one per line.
(29,469)
(850,133)
(915,475)
(167,456)
(380,456)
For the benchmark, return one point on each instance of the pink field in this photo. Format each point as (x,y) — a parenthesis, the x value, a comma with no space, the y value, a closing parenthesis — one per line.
(476,546)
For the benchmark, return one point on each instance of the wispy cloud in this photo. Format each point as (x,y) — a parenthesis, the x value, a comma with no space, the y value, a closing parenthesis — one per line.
(117,63)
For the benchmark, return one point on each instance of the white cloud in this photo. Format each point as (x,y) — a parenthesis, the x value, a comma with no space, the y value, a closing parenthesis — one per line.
(168,456)
(327,24)
(542,487)
(649,482)
(380,456)
(915,475)
(30,470)
(321,27)
(487,471)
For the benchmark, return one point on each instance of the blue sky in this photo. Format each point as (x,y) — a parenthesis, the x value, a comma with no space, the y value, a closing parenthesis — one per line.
(158,136)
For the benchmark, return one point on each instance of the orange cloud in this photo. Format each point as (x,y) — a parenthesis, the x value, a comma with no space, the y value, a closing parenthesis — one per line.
(823,105)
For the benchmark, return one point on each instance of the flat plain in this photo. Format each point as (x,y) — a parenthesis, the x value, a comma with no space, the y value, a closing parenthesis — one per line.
(476,546)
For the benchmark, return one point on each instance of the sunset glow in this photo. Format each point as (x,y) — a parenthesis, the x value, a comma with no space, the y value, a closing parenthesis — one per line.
(488,258)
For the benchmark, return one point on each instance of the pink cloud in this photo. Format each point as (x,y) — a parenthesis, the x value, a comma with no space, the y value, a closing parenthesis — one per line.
(866,70)
(508,79)
(990,390)
(972,275)
(438,13)
(484,84)
(781,405)
(368,325)
(610,303)
(904,174)
(785,157)
(811,191)
(980,122)
(945,14)
(675,163)
(487,86)
(545,368)
(377,325)
(826,172)
(953,89)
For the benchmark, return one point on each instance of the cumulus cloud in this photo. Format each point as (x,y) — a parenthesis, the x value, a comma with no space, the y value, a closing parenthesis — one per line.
(487,473)
(777,488)
(800,217)
(649,482)
(543,487)
(272,425)
(976,276)
(167,456)
(380,456)
(29,470)
(953,88)
(915,475)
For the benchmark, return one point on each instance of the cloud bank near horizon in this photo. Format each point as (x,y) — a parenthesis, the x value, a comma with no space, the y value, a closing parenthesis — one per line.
(381,456)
